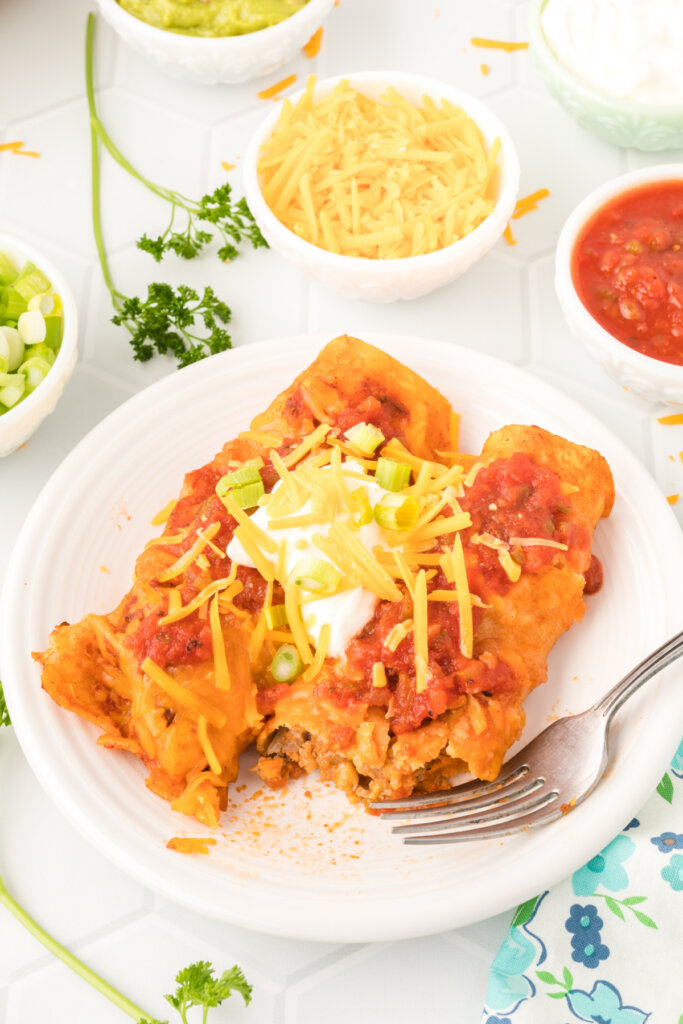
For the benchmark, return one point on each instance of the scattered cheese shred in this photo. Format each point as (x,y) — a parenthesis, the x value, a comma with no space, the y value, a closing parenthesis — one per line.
(674,419)
(312,47)
(273,91)
(464,598)
(261,437)
(202,597)
(541,542)
(673,498)
(295,623)
(498,44)
(190,844)
(420,626)
(18,149)
(188,558)
(528,203)
(321,650)
(166,538)
(397,634)
(485,69)
(164,514)
(379,675)
(220,662)
(205,744)
(177,692)
(509,237)
(311,441)
(257,638)
(377,178)
(258,559)
(227,166)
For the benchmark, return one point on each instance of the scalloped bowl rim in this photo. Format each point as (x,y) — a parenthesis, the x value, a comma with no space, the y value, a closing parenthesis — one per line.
(16,247)
(486,120)
(632,108)
(245,41)
(564,283)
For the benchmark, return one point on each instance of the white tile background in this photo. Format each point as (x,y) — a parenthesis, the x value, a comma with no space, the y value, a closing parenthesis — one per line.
(178,134)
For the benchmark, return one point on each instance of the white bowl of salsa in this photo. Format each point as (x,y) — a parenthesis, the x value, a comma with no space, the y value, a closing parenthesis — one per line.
(619,279)
(183,51)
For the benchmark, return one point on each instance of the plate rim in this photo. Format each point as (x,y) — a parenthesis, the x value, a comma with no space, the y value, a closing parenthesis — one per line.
(315,923)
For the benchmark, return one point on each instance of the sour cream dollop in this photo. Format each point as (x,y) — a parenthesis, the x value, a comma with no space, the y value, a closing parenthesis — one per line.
(348,611)
(630,49)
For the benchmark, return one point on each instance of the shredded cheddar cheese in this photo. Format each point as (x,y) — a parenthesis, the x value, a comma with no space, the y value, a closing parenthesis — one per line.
(220,662)
(381,179)
(312,47)
(188,558)
(164,514)
(498,44)
(397,634)
(205,743)
(177,692)
(420,624)
(379,675)
(273,91)
(321,650)
(673,498)
(672,420)
(464,598)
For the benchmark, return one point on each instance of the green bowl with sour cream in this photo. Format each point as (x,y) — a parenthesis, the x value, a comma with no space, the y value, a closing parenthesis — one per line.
(646,126)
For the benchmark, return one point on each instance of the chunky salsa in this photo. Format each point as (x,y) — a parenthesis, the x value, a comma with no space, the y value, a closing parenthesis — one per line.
(627,268)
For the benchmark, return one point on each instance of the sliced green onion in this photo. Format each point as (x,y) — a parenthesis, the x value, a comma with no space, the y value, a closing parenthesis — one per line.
(248,474)
(392,475)
(286,665)
(8,272)
(35,371)
(9,337)
(31,327)
(248,496)
(397,511)
(47,303)
(40,352)
(14,304)
(365,437)
(31,281)
(53,330)
(13,389)
(276,616)
(364,514)
(316,575)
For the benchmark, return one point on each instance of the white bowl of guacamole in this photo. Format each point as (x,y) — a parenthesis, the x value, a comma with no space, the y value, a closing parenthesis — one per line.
(216,40)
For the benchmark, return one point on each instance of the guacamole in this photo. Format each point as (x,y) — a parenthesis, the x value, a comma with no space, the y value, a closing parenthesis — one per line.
(212,17)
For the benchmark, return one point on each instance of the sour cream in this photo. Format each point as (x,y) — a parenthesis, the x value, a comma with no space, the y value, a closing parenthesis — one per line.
(347,612)
(630,49)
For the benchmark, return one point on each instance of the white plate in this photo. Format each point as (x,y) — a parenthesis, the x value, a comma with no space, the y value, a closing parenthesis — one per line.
(312,866)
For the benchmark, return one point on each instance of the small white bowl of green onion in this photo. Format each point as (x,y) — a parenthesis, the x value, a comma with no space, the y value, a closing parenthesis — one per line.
(38,330)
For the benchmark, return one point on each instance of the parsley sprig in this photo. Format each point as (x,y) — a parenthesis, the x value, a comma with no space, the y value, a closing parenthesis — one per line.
(4,713)
(170,320)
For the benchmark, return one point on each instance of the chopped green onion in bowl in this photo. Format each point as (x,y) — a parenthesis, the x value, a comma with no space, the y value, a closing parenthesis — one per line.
(30,330)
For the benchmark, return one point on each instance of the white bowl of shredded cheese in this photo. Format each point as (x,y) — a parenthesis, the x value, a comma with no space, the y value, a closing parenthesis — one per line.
(367,195)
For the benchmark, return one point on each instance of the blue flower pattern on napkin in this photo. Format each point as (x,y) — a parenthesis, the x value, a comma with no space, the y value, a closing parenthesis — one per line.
(603,1005)
(605,869)
(601,947)
(585,925)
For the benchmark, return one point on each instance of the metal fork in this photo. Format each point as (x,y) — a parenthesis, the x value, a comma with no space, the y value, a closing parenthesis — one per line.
(549,777)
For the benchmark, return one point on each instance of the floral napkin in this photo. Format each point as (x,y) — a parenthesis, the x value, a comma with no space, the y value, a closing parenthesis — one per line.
(605,945)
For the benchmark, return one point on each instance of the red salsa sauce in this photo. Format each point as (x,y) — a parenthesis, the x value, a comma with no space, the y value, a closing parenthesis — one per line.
(627,268)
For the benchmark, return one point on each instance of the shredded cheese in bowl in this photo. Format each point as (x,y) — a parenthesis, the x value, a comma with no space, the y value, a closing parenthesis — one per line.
(380,178)
(381,185)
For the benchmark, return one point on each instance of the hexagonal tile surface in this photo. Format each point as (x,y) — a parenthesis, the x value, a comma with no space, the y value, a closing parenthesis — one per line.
(193,138)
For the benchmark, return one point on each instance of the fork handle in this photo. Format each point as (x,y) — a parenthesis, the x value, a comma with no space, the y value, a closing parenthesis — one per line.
(633,680)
